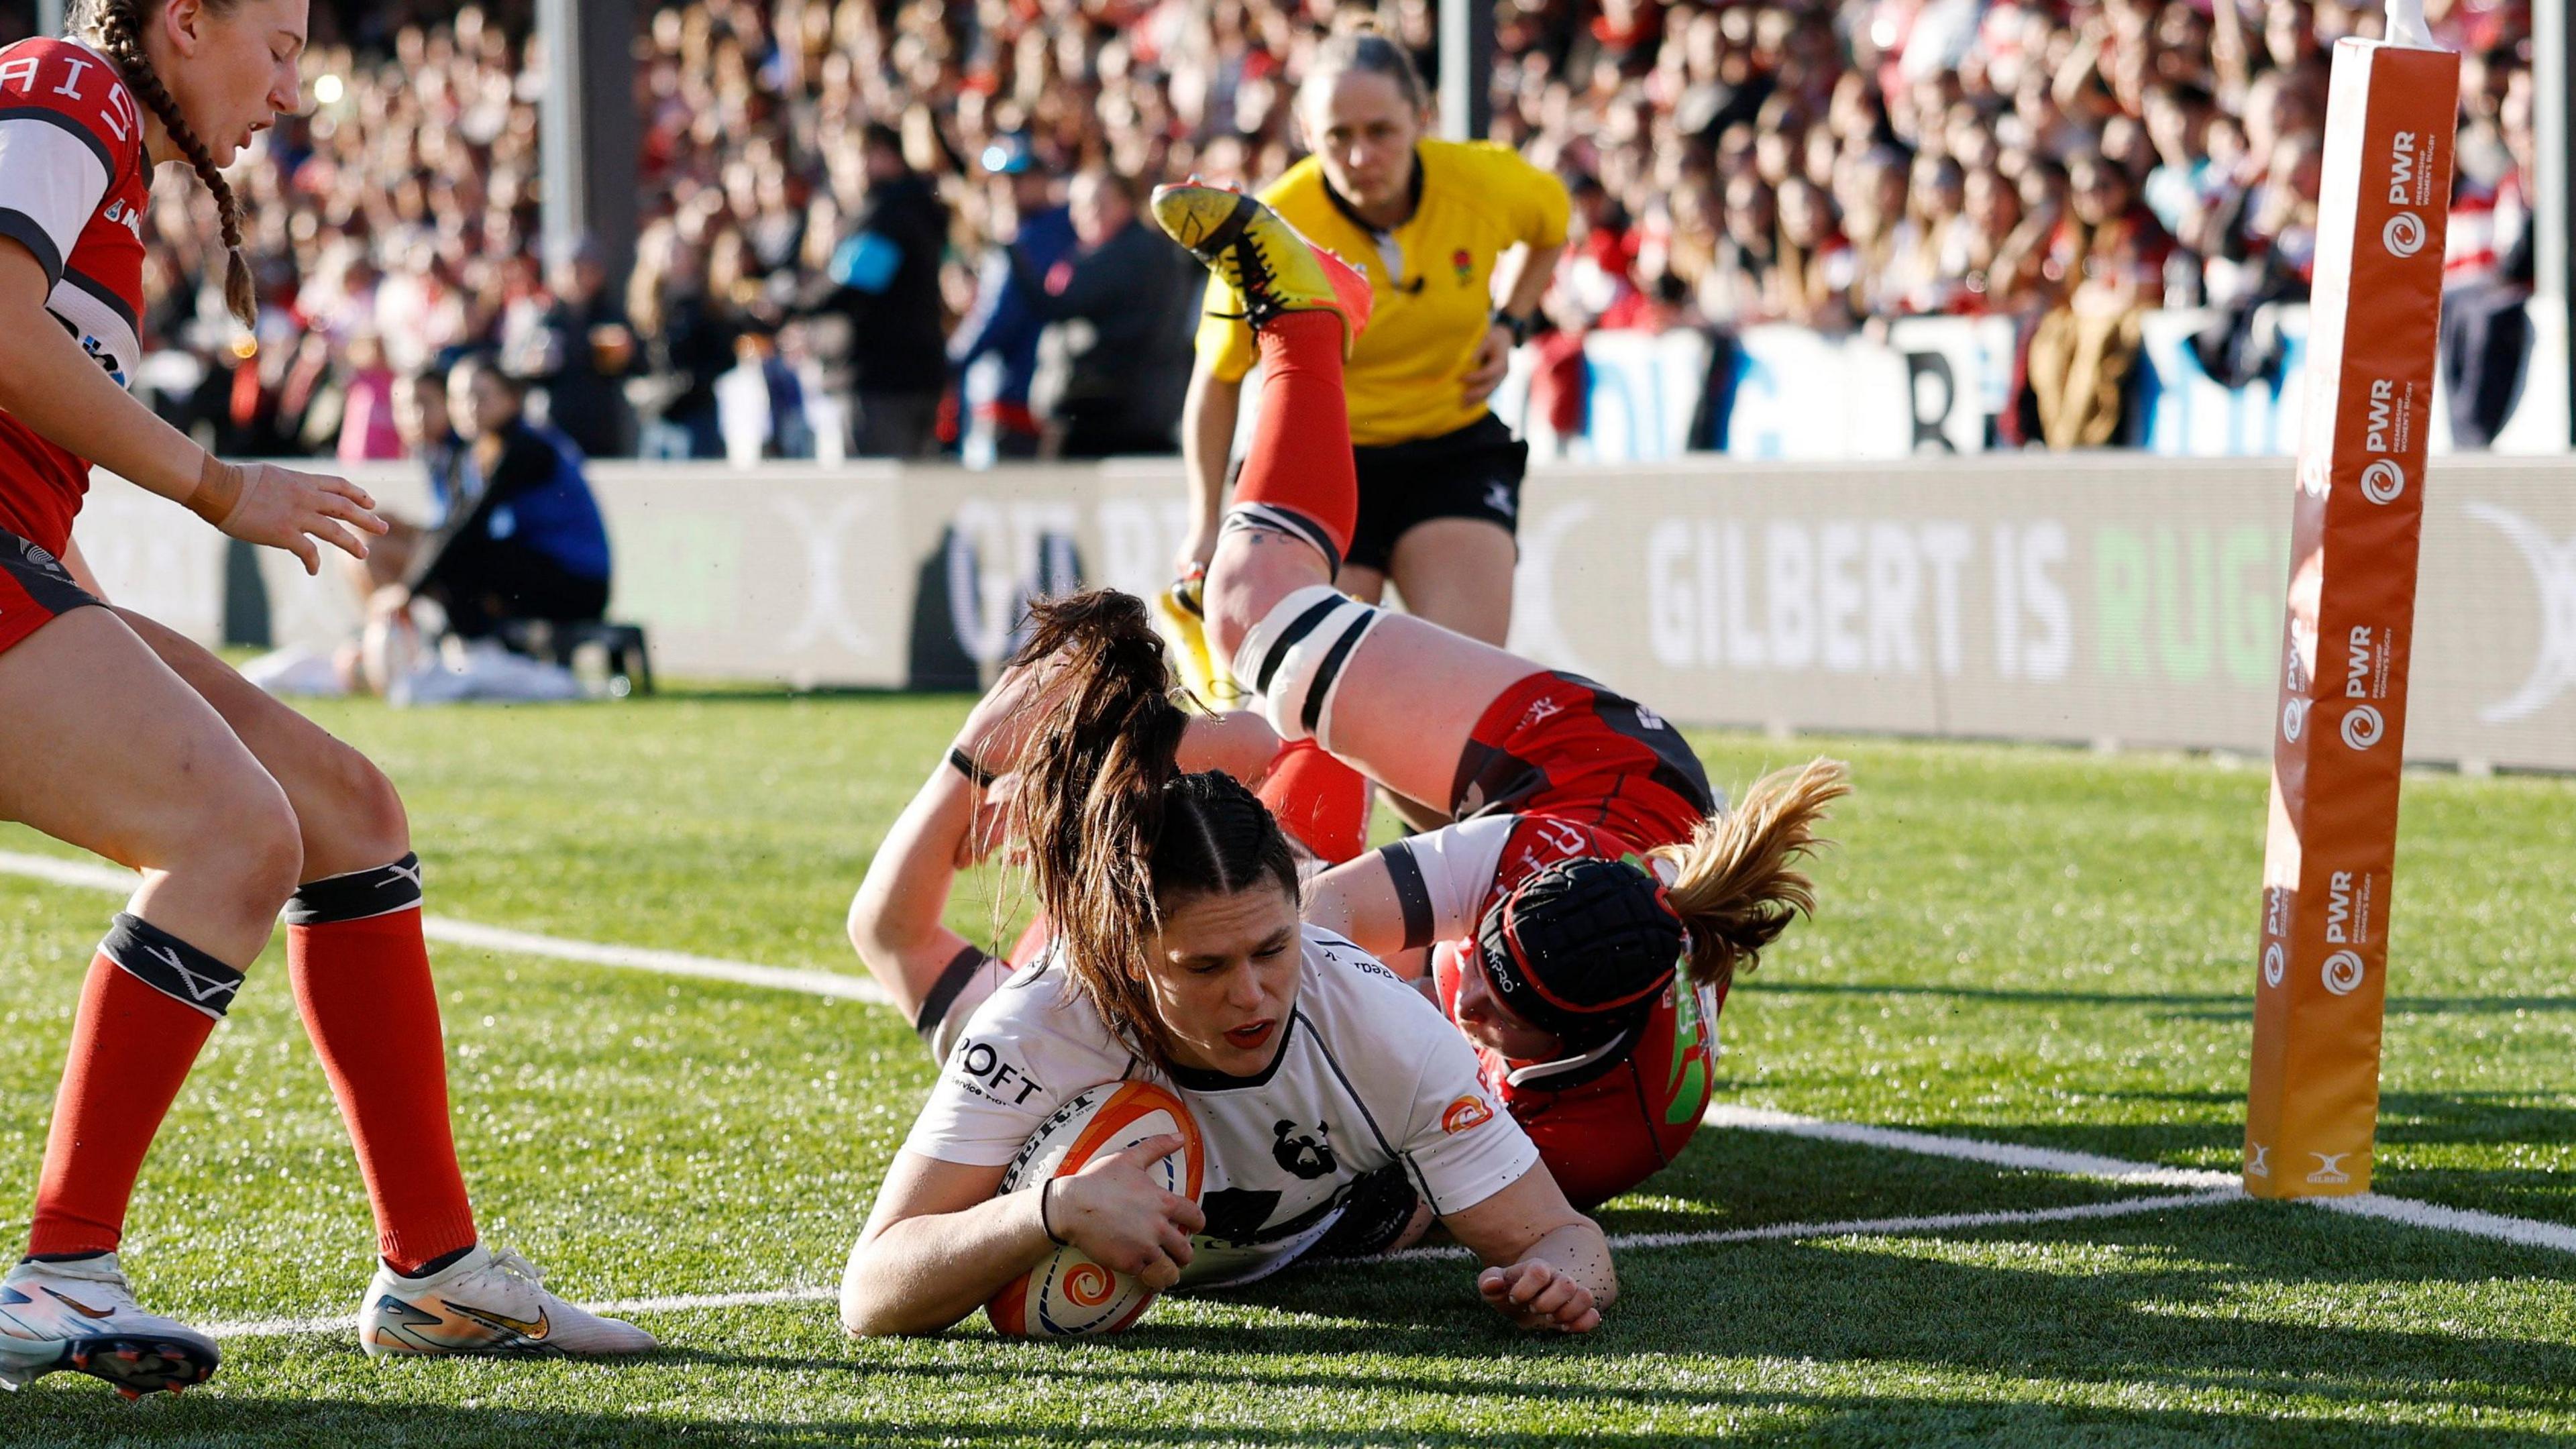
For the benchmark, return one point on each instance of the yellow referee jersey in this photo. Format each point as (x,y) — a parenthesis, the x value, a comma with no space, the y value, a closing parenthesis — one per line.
(1431,276)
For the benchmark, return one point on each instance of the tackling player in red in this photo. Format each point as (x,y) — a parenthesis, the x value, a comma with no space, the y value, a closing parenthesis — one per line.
(124,738)
(1591,904)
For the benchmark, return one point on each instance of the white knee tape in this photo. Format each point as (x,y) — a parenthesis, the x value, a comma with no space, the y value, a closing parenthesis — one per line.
(1294,659)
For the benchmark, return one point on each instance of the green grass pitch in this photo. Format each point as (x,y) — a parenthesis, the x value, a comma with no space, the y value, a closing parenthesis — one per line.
(2023,945)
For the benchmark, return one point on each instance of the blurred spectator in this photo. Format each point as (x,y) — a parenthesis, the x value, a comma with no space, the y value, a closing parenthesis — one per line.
(1005,321)
(530,543)
(1136,297)
(573,340)
(884,285)
(687,339)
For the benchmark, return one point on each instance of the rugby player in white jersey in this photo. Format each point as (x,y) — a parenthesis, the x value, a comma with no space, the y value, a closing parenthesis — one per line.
(1341,1112)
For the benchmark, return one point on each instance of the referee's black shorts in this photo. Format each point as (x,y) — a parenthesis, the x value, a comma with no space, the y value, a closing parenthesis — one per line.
(1474,472)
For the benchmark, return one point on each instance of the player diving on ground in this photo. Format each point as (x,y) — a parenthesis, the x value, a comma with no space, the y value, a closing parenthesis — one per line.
(1339,1112)
(1582,919)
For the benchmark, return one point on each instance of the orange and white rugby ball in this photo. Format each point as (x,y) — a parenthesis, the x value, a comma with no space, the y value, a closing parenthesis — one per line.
(1067,1294)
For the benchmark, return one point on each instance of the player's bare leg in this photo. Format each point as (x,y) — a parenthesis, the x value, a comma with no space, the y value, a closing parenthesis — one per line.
(1396,696)
(103,747)
(360,971)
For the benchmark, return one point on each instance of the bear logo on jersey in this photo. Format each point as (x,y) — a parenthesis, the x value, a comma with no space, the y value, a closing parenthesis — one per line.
(1309,1157)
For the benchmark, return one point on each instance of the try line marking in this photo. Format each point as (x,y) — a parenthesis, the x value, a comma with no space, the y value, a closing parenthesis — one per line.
(2205,1185)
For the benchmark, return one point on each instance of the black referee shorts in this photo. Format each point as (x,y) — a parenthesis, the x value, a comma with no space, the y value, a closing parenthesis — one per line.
(1474,472)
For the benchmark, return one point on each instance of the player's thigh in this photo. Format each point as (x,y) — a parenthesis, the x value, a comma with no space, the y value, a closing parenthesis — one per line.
(350,815)
(1253,569)
(103,747)
(1362,583)
(1409,700)
(1457,573)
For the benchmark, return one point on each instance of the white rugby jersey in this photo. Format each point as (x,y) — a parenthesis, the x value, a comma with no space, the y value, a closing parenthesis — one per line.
(1368,1073)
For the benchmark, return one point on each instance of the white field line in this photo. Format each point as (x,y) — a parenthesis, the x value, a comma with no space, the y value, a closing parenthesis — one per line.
(1857,1227)
(1968,1149)
(2496,1226)
(2219,1185)
(525,943)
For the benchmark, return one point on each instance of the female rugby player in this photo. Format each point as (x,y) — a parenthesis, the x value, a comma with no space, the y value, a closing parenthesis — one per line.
(1589,860)
(1327,1092)
(124,738)
(1457,240)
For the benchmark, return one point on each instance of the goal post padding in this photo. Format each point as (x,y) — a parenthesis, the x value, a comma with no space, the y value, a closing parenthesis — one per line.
(2358,510)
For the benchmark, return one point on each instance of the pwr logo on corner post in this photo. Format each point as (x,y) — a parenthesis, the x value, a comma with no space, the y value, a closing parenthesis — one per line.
(2369,662)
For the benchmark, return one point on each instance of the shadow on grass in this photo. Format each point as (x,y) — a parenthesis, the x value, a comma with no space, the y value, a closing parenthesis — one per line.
(1777,1419)
(2282,1316)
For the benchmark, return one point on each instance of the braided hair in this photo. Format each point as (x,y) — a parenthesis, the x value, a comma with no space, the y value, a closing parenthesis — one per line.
(116,26)
(1115,831)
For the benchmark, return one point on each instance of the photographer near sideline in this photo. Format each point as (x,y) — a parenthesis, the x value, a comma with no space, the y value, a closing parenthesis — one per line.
(521,540)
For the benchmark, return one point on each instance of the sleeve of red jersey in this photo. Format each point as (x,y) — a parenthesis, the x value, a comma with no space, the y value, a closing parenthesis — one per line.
(65,120)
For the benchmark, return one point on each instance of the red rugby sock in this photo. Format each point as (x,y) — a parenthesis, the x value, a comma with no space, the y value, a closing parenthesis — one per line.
(133,1041)
(1300,456)
(364,989)
(1319,800)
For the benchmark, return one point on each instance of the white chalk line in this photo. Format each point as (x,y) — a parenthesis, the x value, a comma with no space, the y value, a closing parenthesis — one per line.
(1623,1242)
(525,943)
(2523,1231)
(2205,1185)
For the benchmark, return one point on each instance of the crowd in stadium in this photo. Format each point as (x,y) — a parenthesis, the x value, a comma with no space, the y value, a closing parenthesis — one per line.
(835,190)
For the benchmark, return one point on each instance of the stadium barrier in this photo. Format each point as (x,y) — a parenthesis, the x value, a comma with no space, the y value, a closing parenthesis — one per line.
(2101,597)
(1927,385)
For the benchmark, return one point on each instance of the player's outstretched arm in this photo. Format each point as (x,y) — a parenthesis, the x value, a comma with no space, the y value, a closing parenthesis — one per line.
(48,383)
(896,919)
(938,1243)
(1547,1266)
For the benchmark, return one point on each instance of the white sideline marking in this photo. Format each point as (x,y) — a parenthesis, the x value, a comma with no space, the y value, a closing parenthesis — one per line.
(2216,1185)
(2450,1219)
(525,943)
(1857,1227)
(2221,1186)
(1968,1149)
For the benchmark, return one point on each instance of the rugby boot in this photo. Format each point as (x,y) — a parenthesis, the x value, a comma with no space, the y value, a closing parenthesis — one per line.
(80,1315)
(485,1303)
(1254,251)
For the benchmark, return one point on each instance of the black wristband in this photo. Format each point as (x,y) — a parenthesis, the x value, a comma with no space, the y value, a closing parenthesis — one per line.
(1519,326)
(1045,1226)
(966,766)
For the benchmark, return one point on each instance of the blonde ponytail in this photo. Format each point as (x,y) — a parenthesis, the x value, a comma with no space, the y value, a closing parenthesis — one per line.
(1735,889)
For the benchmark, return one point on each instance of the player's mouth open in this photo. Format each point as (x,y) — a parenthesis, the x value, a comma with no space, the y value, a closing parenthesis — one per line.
(1248,1037)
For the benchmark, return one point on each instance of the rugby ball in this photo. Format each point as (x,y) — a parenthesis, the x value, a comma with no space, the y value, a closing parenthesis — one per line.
(1067,1294)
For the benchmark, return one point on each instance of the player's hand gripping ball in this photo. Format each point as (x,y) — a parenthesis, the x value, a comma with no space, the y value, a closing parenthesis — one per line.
(1067,1294)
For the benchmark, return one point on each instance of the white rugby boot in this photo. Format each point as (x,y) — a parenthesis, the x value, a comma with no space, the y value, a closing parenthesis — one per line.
(485,1303)
(80,1315)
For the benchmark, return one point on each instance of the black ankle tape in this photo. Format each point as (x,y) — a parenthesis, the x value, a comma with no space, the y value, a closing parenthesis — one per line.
(171,966)
(357,895)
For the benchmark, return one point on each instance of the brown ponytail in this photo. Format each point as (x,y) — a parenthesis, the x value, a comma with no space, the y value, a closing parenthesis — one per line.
(117,27)
(1112,826)
(1736,891)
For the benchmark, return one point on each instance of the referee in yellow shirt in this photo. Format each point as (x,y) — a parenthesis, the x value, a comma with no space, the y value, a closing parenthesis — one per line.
(1458,240)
